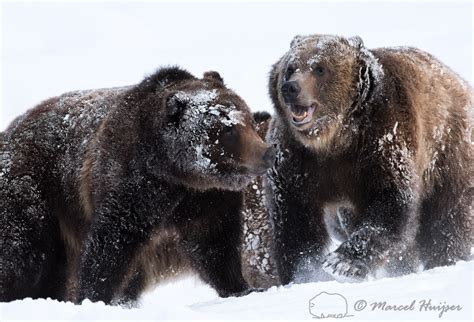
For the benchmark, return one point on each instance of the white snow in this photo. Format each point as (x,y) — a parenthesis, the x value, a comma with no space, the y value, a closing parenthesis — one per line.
(200,98)
(233,117)
(447,290)
(202,161)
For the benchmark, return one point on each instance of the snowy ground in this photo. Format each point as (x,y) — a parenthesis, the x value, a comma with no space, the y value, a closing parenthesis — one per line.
(443,293)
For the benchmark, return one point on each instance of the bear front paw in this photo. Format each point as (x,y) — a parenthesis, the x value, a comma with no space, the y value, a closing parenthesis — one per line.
(345,269)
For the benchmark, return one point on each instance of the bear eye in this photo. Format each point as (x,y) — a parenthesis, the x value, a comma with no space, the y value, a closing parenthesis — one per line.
(229,131)
(319,70)
(290,70)
(175,109)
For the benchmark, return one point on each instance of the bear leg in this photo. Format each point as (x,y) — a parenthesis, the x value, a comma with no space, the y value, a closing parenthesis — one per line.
(212,243)
(446,228)
(109,249)
(29,243)
(123,223)
(216,258)
(133,289)
(402,262)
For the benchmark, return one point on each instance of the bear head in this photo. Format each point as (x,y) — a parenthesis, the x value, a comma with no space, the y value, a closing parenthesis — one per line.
(210,135)
(320,85)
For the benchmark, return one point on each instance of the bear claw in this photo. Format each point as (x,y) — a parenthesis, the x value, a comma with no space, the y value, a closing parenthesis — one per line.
(345,269)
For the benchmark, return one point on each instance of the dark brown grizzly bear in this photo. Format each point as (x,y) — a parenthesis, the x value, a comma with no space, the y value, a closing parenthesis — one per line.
(91,181)
(374,147)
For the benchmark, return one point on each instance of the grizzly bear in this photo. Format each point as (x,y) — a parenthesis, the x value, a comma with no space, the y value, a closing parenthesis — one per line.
(92,181)
(374,150)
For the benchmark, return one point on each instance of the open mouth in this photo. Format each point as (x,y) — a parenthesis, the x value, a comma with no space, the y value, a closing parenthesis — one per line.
(301,114)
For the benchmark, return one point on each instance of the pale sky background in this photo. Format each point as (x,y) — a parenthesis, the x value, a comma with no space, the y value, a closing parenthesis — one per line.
(51,48)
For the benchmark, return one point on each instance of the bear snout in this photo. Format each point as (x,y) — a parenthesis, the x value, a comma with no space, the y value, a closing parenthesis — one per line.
(260,159)
(290,91)
(269,157)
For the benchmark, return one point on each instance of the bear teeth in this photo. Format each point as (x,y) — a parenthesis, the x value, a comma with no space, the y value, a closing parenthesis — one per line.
(299,117)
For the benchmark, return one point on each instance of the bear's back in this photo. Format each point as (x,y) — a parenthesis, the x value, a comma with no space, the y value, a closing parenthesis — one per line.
(425,78)
(53,137)
(440,105)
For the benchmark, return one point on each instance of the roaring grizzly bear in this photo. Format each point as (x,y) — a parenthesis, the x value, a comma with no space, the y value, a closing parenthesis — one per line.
(374,148)
(104,192)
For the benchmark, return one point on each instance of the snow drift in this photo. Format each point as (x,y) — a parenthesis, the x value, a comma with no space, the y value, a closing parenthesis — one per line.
(443,293)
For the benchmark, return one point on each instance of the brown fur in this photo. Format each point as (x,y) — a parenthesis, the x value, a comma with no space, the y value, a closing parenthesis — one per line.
(390,136)
(258,267)
(159,260)
(84,186)
(106,192)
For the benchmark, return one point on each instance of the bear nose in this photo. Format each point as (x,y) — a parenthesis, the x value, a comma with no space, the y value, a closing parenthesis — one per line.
(269,157)
(290,91)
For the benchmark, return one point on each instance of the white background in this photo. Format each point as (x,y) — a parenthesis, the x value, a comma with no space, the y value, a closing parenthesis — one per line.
(51,48)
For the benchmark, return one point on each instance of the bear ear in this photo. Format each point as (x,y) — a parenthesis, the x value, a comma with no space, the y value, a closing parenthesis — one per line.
(165,76)
(213,76)
(296,40)
(274,81)
(356,42)
(261,116)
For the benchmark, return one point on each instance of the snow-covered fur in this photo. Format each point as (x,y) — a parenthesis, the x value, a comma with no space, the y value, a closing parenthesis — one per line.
(374,148)
(91,182)
(258,267)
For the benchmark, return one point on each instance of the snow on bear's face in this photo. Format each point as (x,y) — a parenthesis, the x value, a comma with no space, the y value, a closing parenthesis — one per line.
(320,81)
(212,136)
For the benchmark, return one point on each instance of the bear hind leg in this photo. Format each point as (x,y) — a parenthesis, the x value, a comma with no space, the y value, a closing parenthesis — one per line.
(28,248)
(446,229)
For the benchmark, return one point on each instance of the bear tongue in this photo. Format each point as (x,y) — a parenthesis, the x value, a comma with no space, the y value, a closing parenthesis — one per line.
(302,114)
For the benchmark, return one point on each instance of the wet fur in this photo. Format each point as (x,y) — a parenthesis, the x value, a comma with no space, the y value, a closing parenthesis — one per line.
(400,153)
(91,208)
(258,267)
